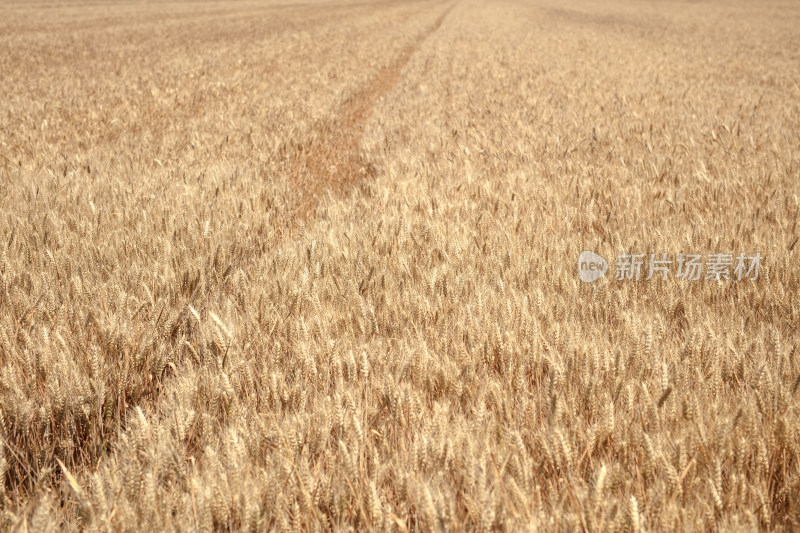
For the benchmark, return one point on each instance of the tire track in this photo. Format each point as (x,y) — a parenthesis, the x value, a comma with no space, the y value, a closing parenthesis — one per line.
(333,160)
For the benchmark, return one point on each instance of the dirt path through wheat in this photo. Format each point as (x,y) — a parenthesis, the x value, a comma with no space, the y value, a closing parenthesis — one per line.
(334,160)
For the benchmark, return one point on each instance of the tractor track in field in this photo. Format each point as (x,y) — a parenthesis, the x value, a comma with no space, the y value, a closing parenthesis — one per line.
(333,160)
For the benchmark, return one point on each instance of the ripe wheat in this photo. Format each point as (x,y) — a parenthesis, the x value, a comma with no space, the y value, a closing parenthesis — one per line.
(269,266)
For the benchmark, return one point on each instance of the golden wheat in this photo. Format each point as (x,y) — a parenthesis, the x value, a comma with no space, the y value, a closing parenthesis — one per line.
(273,266)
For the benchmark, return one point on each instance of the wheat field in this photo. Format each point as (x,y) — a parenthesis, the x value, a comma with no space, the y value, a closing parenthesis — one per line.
(272,266)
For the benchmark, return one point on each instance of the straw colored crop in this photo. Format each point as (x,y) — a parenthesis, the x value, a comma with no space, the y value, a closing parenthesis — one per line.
(312,266)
